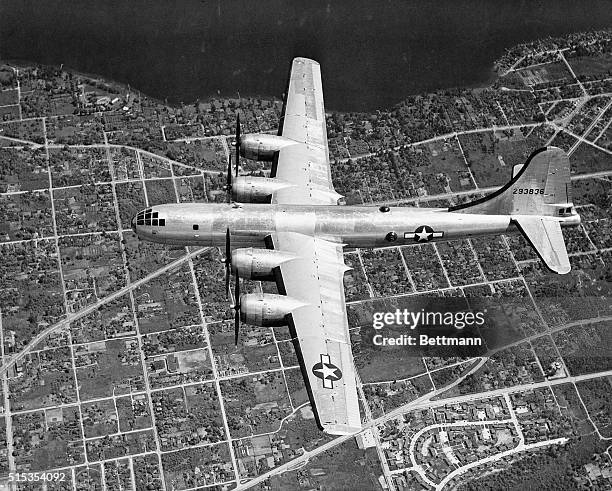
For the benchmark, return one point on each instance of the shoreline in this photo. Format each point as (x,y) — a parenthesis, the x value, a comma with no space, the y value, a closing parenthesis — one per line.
(18,63)
(491,75)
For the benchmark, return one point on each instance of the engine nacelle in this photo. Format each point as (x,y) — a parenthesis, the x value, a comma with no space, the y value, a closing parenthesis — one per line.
(258,264)
(267,310)
(251,189)
(261,146)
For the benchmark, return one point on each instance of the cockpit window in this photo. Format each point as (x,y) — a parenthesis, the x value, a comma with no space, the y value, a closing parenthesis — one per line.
(151,218)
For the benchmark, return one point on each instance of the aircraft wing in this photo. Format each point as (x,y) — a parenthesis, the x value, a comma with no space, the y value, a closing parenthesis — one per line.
(320,326)
(304,165)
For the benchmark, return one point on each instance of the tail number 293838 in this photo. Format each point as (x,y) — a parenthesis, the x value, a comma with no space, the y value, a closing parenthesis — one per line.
(528,191)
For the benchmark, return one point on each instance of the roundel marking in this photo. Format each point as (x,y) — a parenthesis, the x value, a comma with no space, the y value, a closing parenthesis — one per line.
(327,371)
(424,233)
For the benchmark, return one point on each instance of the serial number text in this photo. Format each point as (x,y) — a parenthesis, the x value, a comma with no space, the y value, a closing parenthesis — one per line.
(528,191)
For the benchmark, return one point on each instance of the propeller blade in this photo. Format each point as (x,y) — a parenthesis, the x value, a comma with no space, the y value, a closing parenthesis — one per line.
(228,261)
(228,257)
(238,142)
(237,310)
(229,179)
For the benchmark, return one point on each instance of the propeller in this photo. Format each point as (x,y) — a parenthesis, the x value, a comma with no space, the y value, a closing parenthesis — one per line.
(228,262)
(236,305)
(229,180)
(236,309)
(238,142)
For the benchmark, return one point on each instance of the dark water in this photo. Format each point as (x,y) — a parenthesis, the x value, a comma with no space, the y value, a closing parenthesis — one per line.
(373,52)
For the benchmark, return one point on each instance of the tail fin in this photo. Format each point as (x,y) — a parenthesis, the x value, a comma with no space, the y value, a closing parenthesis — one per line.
(541,187)
(538,199)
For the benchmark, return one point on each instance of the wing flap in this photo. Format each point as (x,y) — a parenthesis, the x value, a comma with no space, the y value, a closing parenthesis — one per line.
(546,238)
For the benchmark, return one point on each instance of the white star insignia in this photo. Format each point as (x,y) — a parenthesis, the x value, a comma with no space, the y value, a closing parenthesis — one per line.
(326,371)
(423,235)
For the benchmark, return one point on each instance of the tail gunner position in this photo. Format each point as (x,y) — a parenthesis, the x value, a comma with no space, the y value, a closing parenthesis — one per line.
(289,229)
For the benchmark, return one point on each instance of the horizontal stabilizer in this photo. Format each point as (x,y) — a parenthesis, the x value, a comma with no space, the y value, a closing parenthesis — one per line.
(545,236)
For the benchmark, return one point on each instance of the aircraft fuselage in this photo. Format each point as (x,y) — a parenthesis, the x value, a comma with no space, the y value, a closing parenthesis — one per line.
(355,226)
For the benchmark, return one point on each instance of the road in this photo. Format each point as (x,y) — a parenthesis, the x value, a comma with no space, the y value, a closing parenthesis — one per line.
(94,306)
(424,401)
(415,438)
(8,419)
(487,190)
(520,448)
(586,132)
(420,403)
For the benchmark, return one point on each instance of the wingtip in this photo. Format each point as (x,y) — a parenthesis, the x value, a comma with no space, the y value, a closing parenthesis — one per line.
(301,59)
(561,269)
(339,430)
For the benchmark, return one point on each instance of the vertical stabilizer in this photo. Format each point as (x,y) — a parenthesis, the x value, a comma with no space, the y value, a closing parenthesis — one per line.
(541,186)
(538,200)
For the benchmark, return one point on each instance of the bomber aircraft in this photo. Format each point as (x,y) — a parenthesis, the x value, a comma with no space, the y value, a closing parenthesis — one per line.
(288,228)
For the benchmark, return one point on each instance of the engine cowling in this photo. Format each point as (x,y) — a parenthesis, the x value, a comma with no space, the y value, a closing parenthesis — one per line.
(267,309)
(261,146)
(258,264)
(251,189)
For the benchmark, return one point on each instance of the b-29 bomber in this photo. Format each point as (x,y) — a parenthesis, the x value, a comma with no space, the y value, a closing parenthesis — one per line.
(289,228)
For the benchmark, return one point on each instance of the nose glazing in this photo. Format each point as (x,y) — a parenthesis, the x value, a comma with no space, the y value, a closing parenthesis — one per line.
(142,218)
